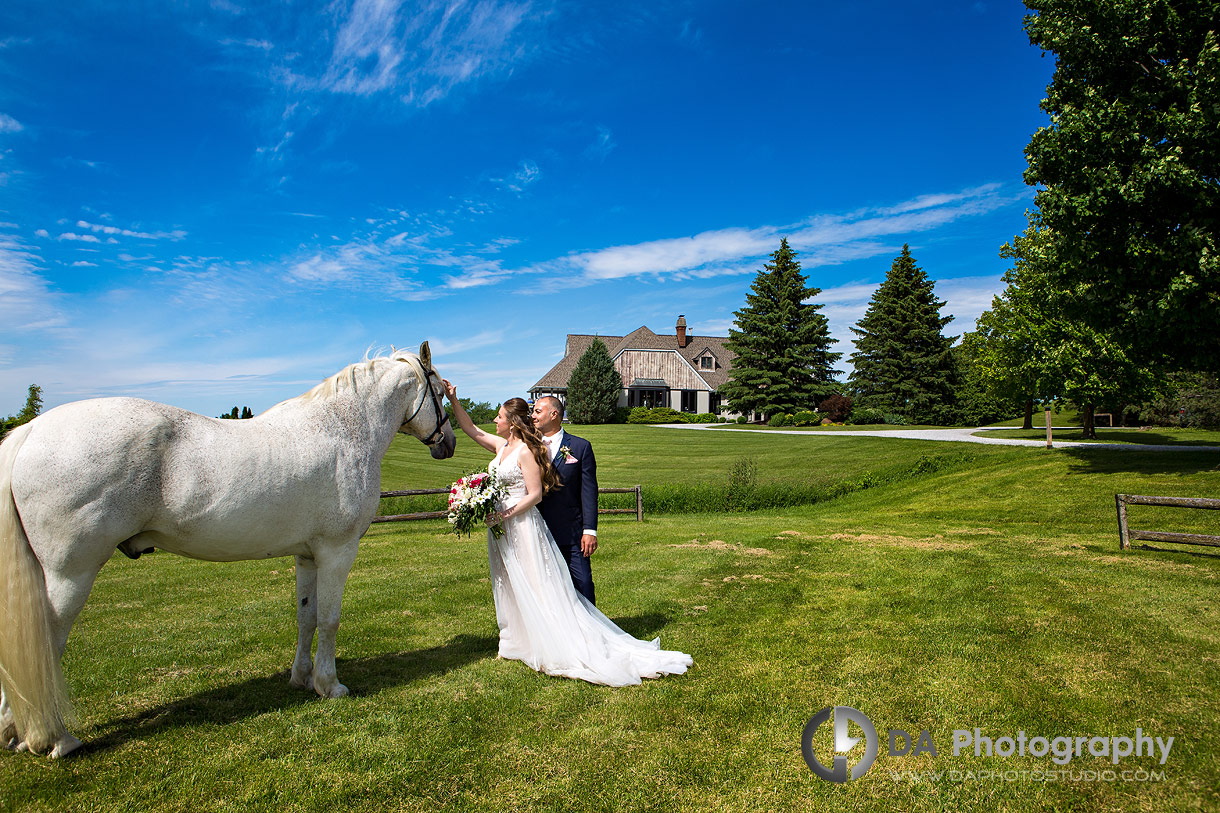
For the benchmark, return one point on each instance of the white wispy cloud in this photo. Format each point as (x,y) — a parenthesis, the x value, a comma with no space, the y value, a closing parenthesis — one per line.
(175,235)
(419,51)
(442,348)
(822,240)
(602,146)
(84,264)
(80,238)
(26,300)
(8,124)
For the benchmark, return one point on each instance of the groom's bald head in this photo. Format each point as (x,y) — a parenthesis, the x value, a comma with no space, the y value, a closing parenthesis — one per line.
(547,414)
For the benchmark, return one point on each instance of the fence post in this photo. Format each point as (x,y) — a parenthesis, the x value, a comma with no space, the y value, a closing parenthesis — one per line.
(639,505)
(1123,541)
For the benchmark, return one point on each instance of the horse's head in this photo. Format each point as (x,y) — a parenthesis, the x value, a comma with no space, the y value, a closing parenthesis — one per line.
(426,417)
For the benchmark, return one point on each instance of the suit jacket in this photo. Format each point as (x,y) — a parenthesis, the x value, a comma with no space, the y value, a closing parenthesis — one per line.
(567,511)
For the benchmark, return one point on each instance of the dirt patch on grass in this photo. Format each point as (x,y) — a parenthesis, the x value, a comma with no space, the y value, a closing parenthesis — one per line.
(720,544)
(937,542)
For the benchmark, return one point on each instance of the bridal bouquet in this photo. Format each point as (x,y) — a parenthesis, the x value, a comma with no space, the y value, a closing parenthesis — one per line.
(472,499)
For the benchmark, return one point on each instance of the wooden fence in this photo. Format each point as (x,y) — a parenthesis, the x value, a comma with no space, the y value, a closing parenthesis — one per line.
(417,492)
(1125,534)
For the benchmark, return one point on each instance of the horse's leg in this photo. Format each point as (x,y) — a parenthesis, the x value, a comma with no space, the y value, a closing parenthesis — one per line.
(307,622)
(67,595)
(8,726)
(333,568)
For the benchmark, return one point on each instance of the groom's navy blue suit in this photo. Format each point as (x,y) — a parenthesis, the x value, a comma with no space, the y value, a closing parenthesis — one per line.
(569,510)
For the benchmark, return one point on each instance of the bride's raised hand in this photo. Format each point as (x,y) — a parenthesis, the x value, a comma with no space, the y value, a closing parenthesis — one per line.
(450,389)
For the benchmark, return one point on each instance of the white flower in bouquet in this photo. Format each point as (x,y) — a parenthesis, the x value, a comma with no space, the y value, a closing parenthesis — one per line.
(472,500)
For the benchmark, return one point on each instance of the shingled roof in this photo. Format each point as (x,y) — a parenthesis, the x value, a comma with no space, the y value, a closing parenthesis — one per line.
(643,339)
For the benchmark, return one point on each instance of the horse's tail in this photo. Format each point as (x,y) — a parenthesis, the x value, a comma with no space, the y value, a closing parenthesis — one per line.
(30,672)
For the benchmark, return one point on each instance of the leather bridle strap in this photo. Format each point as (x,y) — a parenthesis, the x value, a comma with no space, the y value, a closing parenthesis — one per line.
(442,416)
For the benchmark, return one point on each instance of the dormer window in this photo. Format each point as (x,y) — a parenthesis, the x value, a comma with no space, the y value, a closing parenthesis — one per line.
(707,363)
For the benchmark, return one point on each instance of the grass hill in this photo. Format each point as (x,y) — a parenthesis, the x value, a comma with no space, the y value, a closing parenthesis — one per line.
(983,590)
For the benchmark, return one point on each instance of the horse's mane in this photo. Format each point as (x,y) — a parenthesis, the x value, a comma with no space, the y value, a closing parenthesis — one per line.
(350,378)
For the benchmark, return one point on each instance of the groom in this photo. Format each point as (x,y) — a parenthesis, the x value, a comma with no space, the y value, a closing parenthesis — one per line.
(570,512)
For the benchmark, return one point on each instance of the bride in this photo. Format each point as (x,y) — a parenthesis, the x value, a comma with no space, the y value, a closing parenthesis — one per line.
(543,620)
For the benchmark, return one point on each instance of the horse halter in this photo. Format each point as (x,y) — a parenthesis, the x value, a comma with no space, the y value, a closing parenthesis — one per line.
(442,417)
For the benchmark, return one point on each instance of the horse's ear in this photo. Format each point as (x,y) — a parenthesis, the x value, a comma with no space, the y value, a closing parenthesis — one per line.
(425,356)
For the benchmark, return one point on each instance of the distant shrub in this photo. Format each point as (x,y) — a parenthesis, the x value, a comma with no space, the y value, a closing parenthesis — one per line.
(621,414)
(657,415)
(703,417)
(894,419)
(741,419)
(836,408)
(743,480)
(867,415)
(806,418)
(779,419)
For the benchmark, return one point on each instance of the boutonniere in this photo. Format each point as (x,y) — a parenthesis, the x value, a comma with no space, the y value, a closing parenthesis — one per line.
(566,451)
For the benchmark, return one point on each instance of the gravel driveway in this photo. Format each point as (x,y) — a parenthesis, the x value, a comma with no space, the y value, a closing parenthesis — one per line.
(959,435)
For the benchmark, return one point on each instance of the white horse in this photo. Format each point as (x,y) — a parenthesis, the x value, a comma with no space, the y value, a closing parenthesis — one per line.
(302,479)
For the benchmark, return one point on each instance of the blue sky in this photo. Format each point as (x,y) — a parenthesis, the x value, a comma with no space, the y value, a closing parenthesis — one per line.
(220,203)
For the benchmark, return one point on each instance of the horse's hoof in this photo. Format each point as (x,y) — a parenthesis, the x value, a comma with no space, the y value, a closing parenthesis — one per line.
(305,682)
(337,690)
(66,745)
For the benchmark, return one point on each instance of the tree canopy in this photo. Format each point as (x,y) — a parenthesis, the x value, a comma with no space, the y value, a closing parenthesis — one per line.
(903,364)
(782,343)
(30,411)
(1127,170)
(1030,345)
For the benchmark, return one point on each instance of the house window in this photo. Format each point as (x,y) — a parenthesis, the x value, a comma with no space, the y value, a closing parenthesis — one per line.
(688,400)
(707,363)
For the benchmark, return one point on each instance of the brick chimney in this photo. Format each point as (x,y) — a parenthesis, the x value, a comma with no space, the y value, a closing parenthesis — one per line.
(681,328)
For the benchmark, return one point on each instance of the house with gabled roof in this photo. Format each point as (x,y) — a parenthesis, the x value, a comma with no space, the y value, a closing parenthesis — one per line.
(679,370)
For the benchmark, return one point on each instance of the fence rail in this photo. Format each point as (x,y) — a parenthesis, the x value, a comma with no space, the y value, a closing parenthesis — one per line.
(1125,534)
(419,492)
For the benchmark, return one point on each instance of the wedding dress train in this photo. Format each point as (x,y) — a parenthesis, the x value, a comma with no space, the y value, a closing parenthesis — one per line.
(543,620)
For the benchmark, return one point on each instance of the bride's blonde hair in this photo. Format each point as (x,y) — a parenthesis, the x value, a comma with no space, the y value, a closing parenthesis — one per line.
(522,422)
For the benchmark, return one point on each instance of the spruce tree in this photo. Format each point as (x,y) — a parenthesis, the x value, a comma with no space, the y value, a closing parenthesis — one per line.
(33,405)
(594,386)
(903,364)
(782,343)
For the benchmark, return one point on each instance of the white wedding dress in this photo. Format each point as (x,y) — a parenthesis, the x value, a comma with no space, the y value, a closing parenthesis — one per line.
(543,620)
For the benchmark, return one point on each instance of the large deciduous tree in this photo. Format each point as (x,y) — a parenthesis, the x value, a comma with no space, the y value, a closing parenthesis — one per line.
(903,363)
(782,343)
(1029,344)
(1127,170)
(594,386)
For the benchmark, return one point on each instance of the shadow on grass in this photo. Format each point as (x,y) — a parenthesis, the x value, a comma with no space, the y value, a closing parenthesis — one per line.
(1188,552)
(271,693)
(1136,461)
(363,676)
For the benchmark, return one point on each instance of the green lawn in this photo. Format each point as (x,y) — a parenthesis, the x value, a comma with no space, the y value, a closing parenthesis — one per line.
(1155,436)
(864,427)
(989,594)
